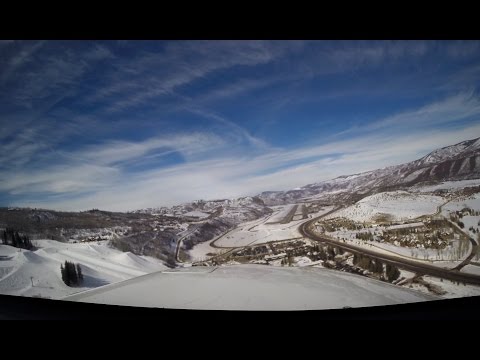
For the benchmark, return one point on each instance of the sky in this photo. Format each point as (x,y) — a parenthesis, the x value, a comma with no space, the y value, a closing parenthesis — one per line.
(125,125)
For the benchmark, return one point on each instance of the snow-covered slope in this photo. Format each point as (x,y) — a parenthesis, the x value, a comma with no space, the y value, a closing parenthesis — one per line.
(250,287)
(37,273)
(397,205)
(462,149)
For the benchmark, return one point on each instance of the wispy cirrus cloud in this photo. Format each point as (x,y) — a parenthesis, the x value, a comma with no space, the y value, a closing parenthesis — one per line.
(450,110)
(117,152)
(19,59)
(138,124)
(230,176)
(153,74)
(48,74)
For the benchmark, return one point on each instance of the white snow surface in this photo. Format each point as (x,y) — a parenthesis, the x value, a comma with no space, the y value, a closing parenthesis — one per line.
(400,205)
(250,287)
(279,215)
(101,265)
(447,185)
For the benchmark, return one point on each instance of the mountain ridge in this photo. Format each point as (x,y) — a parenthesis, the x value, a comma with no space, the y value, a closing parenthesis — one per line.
(460,161)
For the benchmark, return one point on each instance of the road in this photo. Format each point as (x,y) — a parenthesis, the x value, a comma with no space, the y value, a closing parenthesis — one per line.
(306,229)
(179,243)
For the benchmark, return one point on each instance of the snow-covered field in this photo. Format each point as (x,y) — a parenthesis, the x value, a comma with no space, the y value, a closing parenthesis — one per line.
(399,205)
(260,234)
(100,265)
(200,251)
(447,185)
(281,212)
(472,202)
(451,289)
(251,287)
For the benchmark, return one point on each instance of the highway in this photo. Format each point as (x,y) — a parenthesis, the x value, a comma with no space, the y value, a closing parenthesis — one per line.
(306,229)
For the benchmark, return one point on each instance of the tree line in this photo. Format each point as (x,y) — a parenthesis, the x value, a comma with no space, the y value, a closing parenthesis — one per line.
(392,273)
(11,237)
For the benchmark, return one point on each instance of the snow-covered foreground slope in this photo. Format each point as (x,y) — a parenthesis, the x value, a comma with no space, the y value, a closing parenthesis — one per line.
(250,287)
(100,264)
(399,205)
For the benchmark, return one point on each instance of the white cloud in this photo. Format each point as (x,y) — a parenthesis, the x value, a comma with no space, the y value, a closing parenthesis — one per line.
(450,110)
(59,179)
(151,75)
(226,177)
(240,132)
(214,166)
(114,152)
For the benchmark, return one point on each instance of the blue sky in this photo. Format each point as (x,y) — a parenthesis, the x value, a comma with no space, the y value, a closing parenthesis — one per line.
(122,125)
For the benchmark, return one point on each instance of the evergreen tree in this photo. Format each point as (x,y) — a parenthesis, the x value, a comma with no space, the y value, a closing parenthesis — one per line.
(64,275)
(378,267)
(330,252)
(69,273)
(28,244)
(73,273)
(19,240)
(392,273)
(365,262)
(79,273)
(290,260)
(321,254)
(4,237)
(14,240)
(355,259)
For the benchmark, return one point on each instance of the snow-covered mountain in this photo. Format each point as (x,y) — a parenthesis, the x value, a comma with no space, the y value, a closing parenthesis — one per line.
(456,162)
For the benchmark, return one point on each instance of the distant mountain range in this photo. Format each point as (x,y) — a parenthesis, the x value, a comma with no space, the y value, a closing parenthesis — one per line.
(455,162)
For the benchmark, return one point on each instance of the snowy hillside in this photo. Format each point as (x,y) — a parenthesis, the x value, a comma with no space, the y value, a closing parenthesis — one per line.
(251,287)
(100,264)
(452,151)
(397,205)
(446,185)
(455,162)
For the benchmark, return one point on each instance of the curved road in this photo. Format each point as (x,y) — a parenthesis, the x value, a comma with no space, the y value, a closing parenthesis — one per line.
(306,229)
